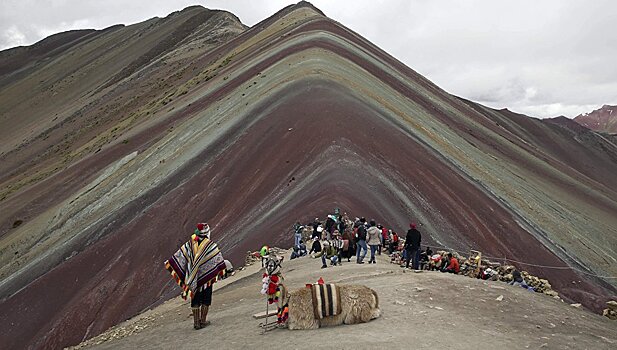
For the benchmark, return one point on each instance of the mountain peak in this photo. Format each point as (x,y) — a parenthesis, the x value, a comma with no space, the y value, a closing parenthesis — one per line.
(118,143)
(603,119)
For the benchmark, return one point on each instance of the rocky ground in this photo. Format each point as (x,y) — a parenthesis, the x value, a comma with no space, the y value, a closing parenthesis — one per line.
(422,310)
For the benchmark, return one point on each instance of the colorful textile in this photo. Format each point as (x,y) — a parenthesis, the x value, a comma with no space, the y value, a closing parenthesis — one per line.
(326,300)
(196,264)
(282,314)
(270,287)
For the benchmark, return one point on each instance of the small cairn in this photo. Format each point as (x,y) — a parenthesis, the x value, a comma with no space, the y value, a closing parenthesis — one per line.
(611,311)
(255,257)
(504,274)
(251,258)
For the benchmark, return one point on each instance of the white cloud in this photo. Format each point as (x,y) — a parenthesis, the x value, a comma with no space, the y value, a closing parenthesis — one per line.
(540,58)
(555,109)
(13,37)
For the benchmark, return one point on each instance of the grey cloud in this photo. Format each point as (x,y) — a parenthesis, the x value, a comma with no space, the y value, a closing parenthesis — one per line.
(542,58)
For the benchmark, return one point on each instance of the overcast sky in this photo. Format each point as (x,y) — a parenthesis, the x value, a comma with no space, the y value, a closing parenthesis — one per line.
(541,58)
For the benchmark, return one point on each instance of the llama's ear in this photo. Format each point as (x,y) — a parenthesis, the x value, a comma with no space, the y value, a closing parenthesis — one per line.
(281,258)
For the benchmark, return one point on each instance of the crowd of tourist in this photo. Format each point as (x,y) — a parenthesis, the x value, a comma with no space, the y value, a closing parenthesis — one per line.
(339,239)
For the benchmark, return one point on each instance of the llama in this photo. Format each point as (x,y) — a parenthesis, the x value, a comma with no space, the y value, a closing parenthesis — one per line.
(358,304)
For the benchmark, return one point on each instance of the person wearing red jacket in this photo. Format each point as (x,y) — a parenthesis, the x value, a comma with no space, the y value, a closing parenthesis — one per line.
(384,238)
(453,266)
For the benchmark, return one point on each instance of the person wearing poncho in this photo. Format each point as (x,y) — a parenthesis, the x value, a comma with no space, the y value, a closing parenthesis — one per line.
(195,267)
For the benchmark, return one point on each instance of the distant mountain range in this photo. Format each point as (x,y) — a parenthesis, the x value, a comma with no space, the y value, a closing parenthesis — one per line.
(603,119)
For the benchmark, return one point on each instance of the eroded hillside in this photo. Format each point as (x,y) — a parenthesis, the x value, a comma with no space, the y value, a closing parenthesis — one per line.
(118,141)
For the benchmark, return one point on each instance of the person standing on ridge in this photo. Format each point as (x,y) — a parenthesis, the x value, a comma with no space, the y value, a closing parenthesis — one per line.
(342,222)
(330,226)
(361,241)
(195,267)
(348,246)
(374,241)
(412,246)
(316,224)
(298,228)
(337,243)
(384,238)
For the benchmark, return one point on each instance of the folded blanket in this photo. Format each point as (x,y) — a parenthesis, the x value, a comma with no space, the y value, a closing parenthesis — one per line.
(326,300)
(196,264)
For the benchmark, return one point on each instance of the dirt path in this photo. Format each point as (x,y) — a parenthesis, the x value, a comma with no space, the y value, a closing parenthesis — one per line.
(425,310)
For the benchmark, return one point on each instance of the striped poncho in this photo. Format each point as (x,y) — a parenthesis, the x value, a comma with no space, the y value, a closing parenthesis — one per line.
(196,264)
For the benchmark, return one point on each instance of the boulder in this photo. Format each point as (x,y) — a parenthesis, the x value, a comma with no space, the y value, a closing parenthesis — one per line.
(611,314)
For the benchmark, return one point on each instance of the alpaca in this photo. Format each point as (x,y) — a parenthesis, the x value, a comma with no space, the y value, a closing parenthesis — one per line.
(358,303)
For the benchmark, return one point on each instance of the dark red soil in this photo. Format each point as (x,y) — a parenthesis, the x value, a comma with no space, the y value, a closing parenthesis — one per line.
(122,273)
(311,147)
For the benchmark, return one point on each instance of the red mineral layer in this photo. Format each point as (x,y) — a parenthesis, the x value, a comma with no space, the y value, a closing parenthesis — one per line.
(260,177)
(341,165)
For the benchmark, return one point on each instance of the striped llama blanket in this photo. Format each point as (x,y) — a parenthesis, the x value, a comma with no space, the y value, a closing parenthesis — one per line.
(196,264)
(326,300)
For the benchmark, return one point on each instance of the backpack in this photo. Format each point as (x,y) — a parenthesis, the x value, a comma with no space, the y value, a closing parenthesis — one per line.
(361,234)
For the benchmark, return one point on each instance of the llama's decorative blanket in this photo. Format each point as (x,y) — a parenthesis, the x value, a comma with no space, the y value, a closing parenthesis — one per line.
(326,300)
(195,264)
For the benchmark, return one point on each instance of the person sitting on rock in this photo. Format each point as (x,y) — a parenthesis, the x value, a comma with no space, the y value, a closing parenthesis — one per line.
(302,248)
(229,269)
(328,252)
(453,265)
(298,251)
(424,259)
(393,242)
(316,247)
(435,262)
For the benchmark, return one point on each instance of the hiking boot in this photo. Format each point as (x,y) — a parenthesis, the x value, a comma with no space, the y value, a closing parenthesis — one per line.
(324,266)
(196,318)
(204,314)
(360,262)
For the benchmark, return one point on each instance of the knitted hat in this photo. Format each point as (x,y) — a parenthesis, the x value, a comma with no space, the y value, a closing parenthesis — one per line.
(265,251)
(204,229)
